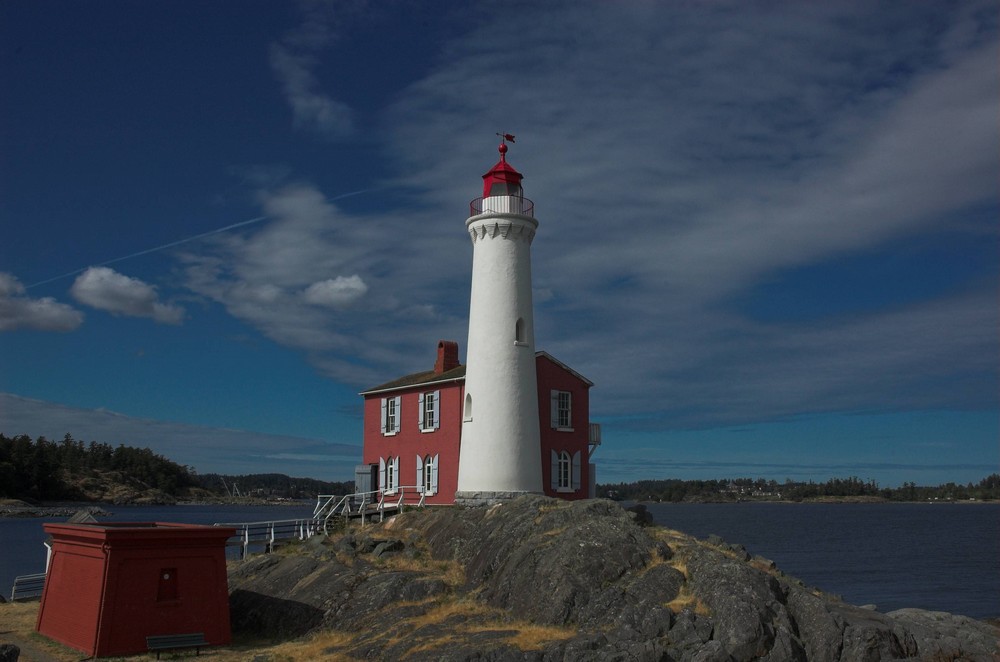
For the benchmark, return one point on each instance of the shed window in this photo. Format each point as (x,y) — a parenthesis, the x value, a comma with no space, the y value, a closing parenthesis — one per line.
(167,586)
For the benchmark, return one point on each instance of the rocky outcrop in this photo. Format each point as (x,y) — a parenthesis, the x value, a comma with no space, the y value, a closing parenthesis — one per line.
(586,580)
(9,653)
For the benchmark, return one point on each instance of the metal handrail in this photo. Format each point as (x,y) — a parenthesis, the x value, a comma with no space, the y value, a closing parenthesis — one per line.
(329,505)
(268,532)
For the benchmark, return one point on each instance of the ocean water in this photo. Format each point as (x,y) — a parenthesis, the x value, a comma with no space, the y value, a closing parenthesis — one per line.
(937,556)
(943,557)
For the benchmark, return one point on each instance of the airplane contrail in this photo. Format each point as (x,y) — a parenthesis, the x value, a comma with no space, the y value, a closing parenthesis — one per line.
(175,243)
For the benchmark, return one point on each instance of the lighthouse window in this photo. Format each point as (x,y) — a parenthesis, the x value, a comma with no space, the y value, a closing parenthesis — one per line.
(519,332)
(506,188)
(467,414)
(561,415)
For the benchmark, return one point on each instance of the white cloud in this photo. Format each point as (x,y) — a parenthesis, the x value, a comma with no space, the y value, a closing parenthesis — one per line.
(106,289)
(679,157)
(43,314)
(293,61)
(311,109)
(335,292)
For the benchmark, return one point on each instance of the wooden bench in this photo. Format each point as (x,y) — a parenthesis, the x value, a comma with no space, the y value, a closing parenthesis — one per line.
(166,642)
(27,586)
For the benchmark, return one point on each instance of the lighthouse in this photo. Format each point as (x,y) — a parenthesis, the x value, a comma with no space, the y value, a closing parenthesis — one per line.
(501,448)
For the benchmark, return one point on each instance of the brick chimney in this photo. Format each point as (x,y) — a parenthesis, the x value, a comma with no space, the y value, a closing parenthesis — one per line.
(447,358)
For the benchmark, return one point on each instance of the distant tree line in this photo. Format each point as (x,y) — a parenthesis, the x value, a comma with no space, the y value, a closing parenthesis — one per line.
(272,485)
(46,470)
(745,489)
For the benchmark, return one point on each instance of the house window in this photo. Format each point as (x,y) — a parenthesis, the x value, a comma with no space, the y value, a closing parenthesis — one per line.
(388,470)
(430,411)
(562,410)
(564,471)
(565,476)
(390,416)
(427,474)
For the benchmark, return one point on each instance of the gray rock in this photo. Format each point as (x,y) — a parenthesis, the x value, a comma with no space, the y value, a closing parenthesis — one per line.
(9,653)
(387,547)
(871,636)
(745,602)
(820,629)
(587,567)
(939,635)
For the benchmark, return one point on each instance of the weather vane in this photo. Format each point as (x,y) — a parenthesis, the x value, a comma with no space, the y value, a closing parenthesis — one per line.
(504,137)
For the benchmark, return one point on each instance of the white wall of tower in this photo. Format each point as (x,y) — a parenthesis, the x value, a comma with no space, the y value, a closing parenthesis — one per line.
(500,440)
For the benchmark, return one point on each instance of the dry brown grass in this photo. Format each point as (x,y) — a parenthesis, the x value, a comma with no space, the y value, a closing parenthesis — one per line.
(527,636)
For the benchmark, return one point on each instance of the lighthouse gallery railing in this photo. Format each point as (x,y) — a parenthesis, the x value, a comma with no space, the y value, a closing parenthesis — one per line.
(502,204)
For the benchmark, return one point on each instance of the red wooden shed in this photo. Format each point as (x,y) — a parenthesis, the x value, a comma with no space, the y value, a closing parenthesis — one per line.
(110,585)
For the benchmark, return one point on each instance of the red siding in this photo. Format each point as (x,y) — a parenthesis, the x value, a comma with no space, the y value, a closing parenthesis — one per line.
(552,376)
(106,589)
(410,441)
(446,440)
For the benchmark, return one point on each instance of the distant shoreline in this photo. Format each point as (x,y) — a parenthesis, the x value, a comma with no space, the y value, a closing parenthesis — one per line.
(15,508)
(819,500)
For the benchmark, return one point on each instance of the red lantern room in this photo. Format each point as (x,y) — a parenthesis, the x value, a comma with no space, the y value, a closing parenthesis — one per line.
(502,179)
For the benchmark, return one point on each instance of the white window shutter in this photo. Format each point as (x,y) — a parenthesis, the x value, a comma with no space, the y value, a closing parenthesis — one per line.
(381,474)
(554,409)
(576,470)
(384,405)
(437,412)
(399,418)
(434,475)
(569,409)
(420,475)
(420,412)
(395,472)
(554,473)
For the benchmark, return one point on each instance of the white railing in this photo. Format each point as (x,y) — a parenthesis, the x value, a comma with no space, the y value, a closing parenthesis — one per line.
(365,505)
(502,204)
(27,586)
(250,535)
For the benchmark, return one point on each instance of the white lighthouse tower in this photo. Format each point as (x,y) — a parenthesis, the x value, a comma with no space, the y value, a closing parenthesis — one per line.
(501,448)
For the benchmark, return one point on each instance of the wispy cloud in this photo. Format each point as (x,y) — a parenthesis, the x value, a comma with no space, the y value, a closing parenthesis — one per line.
(18,311)
(106,289)
(293,60)
(680,157)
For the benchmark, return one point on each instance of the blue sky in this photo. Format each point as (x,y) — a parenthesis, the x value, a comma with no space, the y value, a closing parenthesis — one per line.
(767,230)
